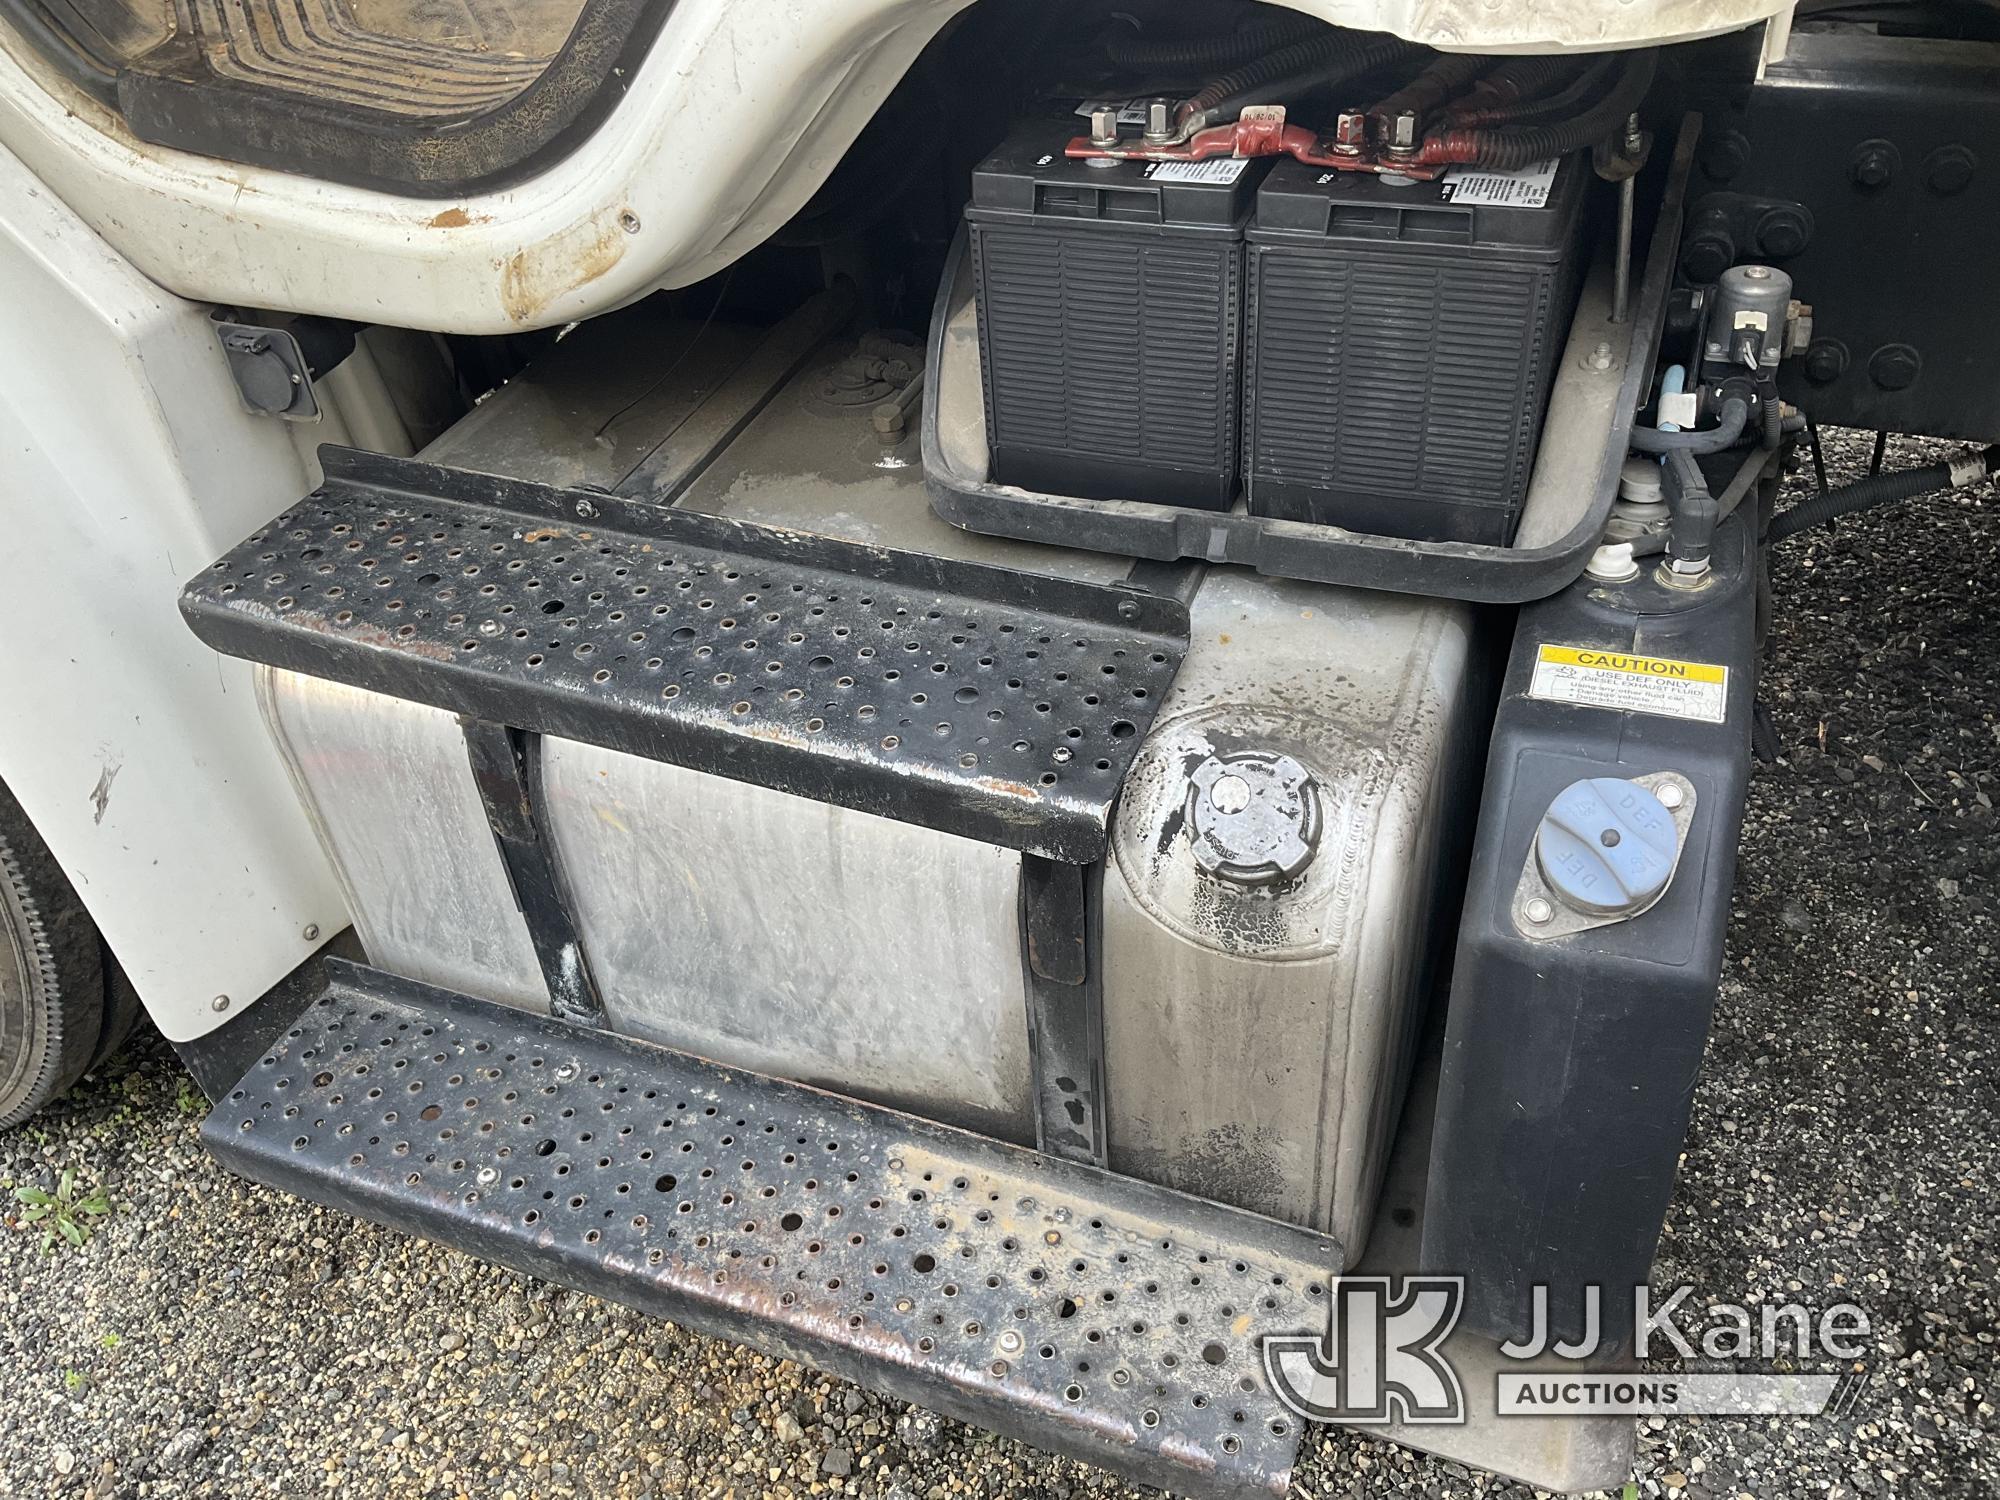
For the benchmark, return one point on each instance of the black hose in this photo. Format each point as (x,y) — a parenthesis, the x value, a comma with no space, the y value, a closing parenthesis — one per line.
(1517,146)
(1345,54)
(1290,90)
(1557,106)
(1522,78)
(1877,489)
(1726,433)
(1435,84)
(1774,414)
(1693,514)
(1135,54)
(1740,483)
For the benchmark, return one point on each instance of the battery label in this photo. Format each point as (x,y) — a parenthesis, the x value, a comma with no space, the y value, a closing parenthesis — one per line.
(1524,187)
(1220,169)
(1635,684)
(1130,111)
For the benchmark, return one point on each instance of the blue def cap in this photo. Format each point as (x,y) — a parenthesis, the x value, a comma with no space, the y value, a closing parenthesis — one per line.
(1606,846)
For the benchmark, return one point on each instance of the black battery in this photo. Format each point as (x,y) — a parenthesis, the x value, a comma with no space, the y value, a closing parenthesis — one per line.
(1110,320)
(1403,337)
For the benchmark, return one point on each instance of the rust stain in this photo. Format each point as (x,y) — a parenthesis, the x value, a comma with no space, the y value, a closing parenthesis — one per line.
(458,218)
(533,277)
(546,534)
(1010,788)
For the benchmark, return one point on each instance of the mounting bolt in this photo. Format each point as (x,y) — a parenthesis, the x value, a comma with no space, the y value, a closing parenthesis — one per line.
(1873,165)
(1538,911)
(310,932)
(219,1003)
(1895,367)
(1350,133)
(488,1176)
(1783,230)
(1948,169)
(1670,794)
(1011,1341)
(566,1072)
(1826,361)
(1723,156)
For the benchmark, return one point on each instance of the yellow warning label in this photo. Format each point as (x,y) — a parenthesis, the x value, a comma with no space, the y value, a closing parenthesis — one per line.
(1621,681)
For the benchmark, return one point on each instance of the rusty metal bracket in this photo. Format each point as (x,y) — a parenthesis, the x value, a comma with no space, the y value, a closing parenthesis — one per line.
(1071,1308)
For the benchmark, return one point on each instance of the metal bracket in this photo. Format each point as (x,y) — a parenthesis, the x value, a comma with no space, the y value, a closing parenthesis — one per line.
(1065,1010)
(505,766)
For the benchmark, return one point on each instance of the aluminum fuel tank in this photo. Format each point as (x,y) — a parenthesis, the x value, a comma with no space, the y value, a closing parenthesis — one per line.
(1269,911)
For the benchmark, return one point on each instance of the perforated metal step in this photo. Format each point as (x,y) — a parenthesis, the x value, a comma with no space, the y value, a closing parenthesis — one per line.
(998,705)
(1073,1309)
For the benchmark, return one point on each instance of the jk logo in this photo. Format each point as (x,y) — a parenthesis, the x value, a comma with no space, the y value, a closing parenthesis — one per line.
(1378,1360)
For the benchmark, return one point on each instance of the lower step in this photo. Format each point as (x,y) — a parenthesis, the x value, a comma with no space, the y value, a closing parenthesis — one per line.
(1065,1306)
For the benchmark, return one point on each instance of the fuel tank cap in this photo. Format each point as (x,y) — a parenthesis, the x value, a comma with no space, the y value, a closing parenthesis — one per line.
(1253,816)
(1607,846)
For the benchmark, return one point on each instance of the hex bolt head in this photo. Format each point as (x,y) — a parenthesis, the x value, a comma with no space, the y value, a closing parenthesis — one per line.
(488,1176)
(1670,794)
(1707,255)
(1403,131)
(1104,127)
(1783,230)
(1826,361)
(1350,132)
(1159,120)
(1873,165)
(1949,169)
(1538,910)
(1011,1341)
(1724,156)
(1895,367)
(566,1072)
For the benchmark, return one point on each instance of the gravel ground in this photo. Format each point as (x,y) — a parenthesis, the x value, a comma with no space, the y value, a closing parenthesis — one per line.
(215,1339)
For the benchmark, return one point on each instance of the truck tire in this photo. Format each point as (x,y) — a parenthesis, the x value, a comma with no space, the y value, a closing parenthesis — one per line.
(52,991)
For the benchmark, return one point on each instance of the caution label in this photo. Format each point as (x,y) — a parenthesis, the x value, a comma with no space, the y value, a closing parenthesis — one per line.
(1635,684)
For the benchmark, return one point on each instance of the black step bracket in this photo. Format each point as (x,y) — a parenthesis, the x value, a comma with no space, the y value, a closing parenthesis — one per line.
(1060,1304)
(994,704)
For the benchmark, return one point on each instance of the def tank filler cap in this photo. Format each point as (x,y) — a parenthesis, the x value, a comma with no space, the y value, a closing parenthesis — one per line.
(1605,851)
(1253,817)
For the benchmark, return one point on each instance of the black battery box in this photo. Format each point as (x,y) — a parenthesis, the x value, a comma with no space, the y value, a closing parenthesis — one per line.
(1110,301)
(1403,337)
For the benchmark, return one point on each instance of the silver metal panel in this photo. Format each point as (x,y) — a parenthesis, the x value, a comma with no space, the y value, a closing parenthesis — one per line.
(389,791)
(793,938)
(1256,1039)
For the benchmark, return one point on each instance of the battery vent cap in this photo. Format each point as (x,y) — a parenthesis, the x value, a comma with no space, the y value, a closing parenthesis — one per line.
(1607,846)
